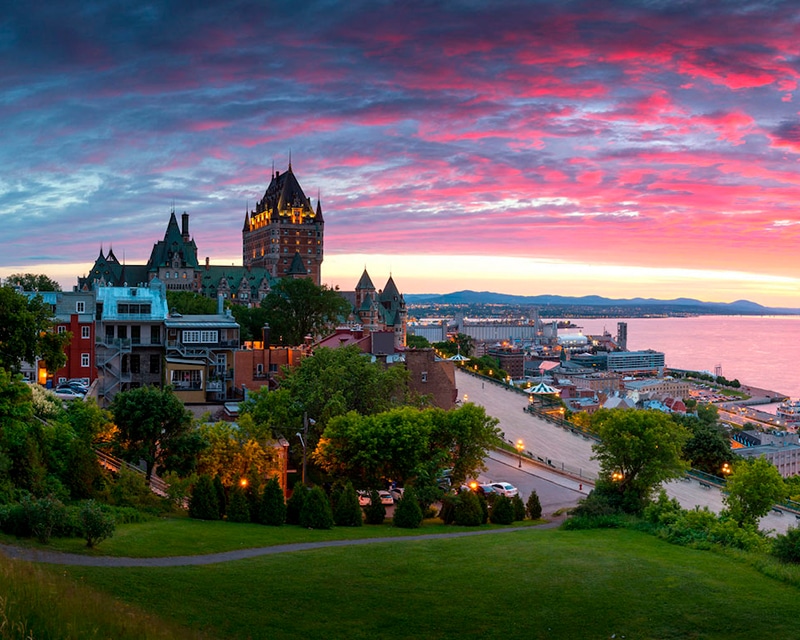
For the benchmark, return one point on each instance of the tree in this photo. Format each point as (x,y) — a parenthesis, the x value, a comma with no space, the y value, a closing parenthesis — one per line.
(347,512)
(154,426)
(203,503)
(33,282)
(316,512)
(534,506)
(189,302)
(519,508)
(374,512)
(238,509)
(251,321)
(638,451)
(232,451)
(417,342)
(753,488)
(298,307)
(26,332)
(407,513)
(708,448)
(502,511)
(273,506)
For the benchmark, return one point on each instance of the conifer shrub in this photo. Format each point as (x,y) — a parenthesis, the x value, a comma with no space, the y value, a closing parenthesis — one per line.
(316,512)
(96,525)
(347,512)
(484,502)
(253,493)
(519,508)
(222,499)
(534,506)
(239,507)
(294,505)
(407,512)
(502,511)
(203,503)
(374,512)
(273,506)
(467,512)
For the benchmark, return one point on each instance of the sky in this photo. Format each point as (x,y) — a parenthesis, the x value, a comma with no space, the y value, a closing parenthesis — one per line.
(635,148)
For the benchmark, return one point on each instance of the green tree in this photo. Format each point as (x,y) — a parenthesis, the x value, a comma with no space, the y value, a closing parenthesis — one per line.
(519,508)
(417,342)
(33,282)
(347,512)
(203,503)
(316,512)
(26,332)
(297,308)
(638,451)
(294,505)
(273,505)
(251,322)
(407,512)
(534,506)
(708,448)
(374,512)
(238,509)
(190,303)
(753,488)
(233,451)
(467,510)
(502,511)
(154,426)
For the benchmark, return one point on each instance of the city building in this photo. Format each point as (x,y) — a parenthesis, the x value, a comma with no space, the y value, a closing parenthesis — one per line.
(378,310)
(647,361)
(780,448)
(284,234)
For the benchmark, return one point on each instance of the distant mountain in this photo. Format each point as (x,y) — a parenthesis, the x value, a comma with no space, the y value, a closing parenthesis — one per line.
(687,305)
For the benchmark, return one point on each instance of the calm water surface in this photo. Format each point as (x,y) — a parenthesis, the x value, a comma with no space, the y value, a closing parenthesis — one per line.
(762,351)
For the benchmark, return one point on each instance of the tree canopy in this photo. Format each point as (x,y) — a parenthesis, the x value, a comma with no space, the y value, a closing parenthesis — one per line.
(189,302)
(33,282)
(638,449)
(26,332)
(406,444)
(298,307)
(153,425)
(752,489)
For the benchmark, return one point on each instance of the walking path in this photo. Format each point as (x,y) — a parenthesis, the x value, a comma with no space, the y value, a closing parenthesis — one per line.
(55,557)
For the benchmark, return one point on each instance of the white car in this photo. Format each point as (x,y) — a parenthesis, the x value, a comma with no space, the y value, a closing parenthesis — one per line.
(505,489)
(386,498)
(66,393)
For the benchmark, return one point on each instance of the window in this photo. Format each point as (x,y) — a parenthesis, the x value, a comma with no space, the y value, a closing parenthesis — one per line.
(167,275)
(62,380)
(424,376)
(80,307)
(195,337)
(136,334)
(155,363)
(62,328)
(133,308)
(86,332)
(186,379)
(84,359)
(259,369)
(135,363)
(155,335)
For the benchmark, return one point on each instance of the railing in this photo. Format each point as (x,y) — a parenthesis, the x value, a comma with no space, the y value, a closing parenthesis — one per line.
(157,485)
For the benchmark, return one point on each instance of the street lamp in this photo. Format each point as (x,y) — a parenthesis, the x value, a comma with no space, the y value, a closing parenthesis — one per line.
(520,447)
(466,398)
(303,439)
(726,469)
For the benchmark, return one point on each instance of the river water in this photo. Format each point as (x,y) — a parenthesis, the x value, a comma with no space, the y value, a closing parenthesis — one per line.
(762,351)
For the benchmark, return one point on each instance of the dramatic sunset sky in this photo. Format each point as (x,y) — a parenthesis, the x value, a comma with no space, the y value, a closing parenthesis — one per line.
(623,149)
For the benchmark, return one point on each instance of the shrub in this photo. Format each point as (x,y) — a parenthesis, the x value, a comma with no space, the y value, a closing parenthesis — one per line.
(786,547)
(273,506)
(502,511)
(294,505)
(467,512)
(519,508)
(203,503)
(534,506)
(316,512)
(239,508)
(252,491)
(13,520)
(407,513)
(612,521)
(43,515)
(96,525)
(663,510)
(347,511)
(448,510)
(374,512)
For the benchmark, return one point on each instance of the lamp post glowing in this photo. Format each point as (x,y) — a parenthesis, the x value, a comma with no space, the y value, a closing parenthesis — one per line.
(466,398)
(520,447)
(726,470)
(243,483)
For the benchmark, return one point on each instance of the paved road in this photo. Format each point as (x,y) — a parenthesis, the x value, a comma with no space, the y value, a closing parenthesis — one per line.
(574,452)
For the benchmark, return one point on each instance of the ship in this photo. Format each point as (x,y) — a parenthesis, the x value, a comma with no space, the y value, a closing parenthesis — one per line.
(788,412)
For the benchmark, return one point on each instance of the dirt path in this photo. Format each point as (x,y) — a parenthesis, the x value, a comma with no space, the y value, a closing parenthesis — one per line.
(55,557)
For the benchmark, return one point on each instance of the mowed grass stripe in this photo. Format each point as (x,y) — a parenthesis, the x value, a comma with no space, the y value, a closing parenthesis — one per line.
(528,584)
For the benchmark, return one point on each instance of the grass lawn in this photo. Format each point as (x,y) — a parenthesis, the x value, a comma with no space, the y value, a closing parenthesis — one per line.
(181,536)
(527,584)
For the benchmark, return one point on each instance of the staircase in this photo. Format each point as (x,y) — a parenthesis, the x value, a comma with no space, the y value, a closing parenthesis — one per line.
(107,461)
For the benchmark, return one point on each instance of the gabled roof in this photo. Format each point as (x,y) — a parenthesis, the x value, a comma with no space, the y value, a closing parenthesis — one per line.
(285,193)
(365,282)
(297,268)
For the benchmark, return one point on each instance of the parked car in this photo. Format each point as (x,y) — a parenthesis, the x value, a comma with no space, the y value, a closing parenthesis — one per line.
(75,385)
(397,493)
(386,497)
(504,489)
(486,489)
(67,393)
(363,498)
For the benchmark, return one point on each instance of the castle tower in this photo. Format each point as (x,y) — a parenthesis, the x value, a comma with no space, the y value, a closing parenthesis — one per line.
(284,228)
